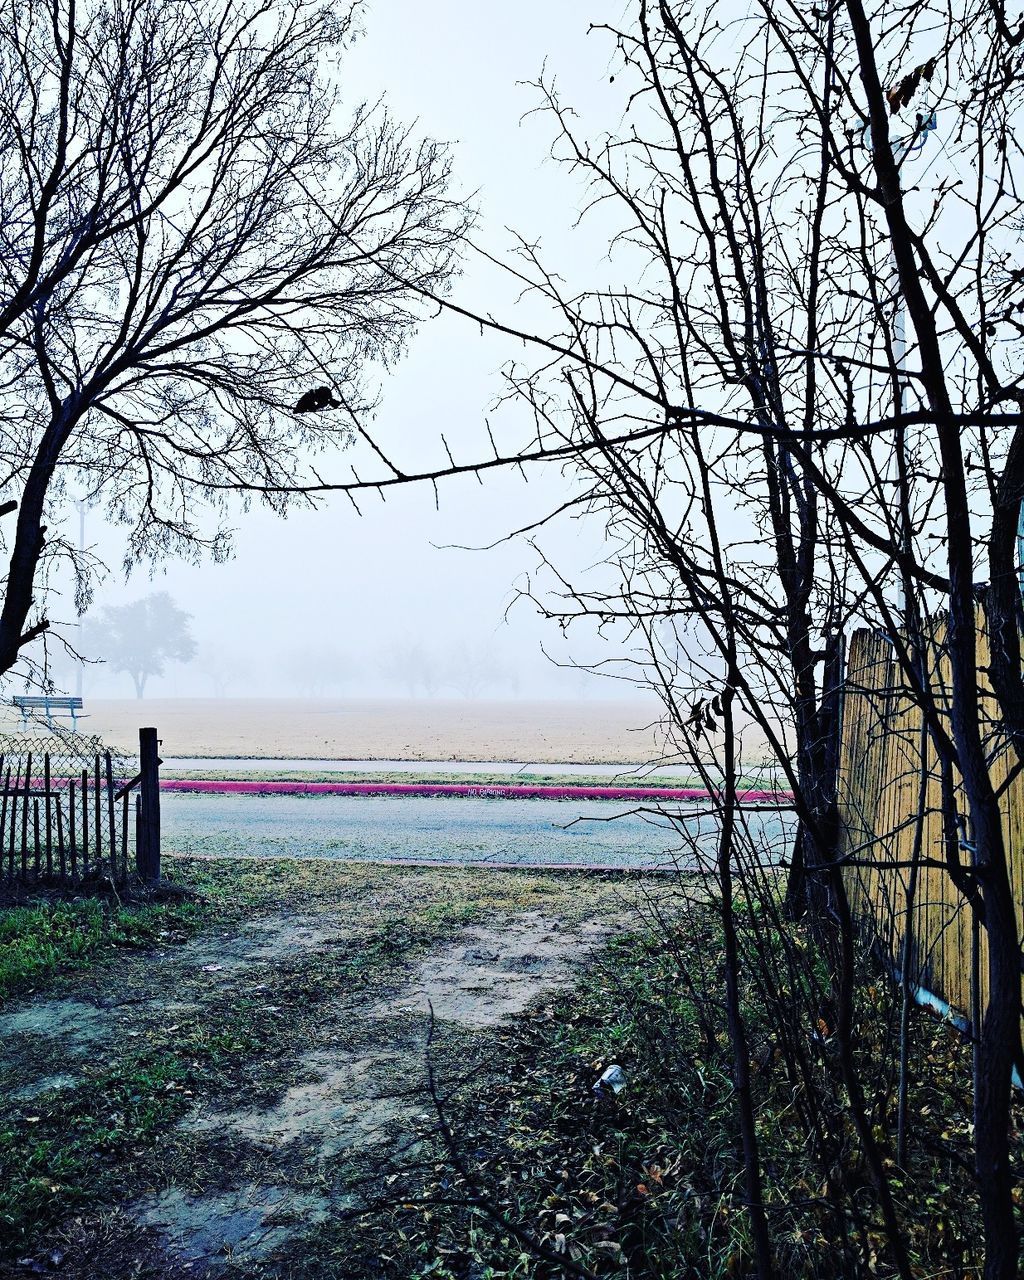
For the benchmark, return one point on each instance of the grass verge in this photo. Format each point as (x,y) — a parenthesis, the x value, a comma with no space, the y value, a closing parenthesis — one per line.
(628,777)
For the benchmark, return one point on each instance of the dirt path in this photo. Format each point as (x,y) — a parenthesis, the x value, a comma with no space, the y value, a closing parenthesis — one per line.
(315,1025)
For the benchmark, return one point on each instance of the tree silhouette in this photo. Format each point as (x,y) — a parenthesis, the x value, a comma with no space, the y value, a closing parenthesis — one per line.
(140,638)
(191,236)
(797,405)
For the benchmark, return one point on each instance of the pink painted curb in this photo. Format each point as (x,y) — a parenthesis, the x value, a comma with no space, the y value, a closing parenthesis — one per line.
(485,791)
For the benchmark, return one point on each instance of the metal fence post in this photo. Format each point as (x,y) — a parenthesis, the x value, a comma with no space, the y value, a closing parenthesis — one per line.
(147,830)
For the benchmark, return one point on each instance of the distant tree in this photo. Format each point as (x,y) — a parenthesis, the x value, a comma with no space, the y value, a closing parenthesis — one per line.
(141,637)
(199,260)
(472,669)
(314,670)
(223,669)
(412,665)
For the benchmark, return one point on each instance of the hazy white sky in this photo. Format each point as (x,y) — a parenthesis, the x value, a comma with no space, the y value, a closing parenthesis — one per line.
(366,589)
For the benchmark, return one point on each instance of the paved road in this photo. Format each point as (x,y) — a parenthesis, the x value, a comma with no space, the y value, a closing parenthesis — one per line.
(499,832)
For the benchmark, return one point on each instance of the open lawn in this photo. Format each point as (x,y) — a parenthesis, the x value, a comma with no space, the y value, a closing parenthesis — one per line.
(400,729)
(397,729)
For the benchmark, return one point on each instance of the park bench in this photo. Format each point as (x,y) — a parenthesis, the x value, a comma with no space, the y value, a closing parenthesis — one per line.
(48,703)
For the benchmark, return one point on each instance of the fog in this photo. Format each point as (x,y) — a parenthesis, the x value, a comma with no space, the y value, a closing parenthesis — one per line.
(329,601)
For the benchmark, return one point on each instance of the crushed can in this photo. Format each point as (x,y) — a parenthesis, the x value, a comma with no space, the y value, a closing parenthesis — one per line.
(612,1079)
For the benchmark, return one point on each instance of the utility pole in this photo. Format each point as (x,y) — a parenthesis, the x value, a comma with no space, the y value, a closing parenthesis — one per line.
(80,669)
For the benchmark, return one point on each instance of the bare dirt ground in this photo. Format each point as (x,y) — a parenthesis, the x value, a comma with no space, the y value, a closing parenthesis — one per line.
(365,729)
(330,1064)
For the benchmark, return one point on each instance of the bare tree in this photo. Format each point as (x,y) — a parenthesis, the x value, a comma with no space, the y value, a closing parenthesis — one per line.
(316,670)
(226,669)
(199,262)
(783,253)
(412,665)
(472,669)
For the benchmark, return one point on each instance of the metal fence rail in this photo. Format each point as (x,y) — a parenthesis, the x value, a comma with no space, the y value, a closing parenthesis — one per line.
(67,813)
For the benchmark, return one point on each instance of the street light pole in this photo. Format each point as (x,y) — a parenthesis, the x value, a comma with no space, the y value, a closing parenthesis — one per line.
(79,671)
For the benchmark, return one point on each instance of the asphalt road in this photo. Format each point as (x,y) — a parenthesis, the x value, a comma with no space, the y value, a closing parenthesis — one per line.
(465,830)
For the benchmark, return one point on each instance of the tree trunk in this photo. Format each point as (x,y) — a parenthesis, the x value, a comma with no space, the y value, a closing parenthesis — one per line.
(29,539)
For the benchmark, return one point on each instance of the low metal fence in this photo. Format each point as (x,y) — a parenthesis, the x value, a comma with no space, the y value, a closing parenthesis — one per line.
(73,811)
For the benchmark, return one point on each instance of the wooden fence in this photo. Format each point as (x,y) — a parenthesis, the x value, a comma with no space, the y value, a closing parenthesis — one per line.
(890,796)
(67,811)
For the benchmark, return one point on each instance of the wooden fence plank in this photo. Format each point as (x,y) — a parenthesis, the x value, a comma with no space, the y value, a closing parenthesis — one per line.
(5,847)
(111,817)
(124,835)
(890,780)
(97,811)
(24,818)
(12,837)
(72,846)
(61,853)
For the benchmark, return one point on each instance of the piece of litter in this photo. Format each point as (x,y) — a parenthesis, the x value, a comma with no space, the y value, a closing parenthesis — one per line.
(613,1078)
(212,968)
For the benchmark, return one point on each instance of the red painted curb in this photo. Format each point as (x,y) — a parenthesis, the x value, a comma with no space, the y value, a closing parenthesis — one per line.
(482,790)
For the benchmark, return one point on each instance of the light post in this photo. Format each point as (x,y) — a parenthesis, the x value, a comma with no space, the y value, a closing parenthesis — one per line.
(80,667)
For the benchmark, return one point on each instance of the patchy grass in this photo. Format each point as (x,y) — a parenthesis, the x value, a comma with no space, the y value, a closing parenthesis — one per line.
(193,1032)
(241,888)
(72,1148)
(279,769)
(649,1183)
(43,937)
(93,1144)
(628,777)
(646,1183)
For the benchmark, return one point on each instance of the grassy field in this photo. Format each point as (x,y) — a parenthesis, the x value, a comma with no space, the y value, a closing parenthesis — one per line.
(594,732)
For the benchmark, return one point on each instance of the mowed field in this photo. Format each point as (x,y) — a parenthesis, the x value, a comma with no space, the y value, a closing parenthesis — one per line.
(382,729)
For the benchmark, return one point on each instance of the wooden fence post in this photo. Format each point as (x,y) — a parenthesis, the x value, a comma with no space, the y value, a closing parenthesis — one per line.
(147,830)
